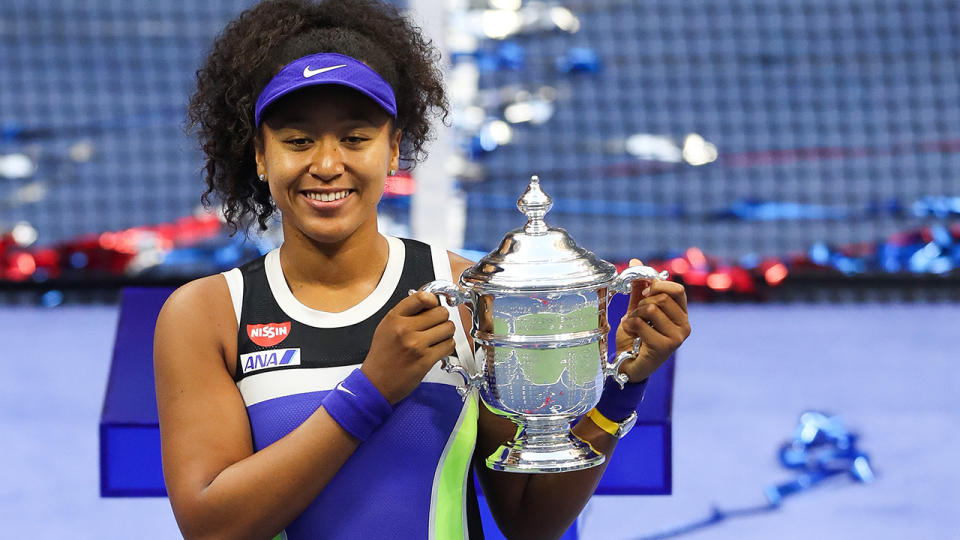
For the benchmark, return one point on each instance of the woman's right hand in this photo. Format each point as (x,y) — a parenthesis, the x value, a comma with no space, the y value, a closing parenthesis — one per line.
(409,340)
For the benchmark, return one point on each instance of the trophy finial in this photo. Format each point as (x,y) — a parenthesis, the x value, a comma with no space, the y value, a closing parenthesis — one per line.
(535,204)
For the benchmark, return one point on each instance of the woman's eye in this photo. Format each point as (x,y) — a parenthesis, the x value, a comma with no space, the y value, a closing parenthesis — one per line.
(354,139)
(301,141)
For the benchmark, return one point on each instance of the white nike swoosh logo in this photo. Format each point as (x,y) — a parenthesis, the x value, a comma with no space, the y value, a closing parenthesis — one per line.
(343,389)
(307,73)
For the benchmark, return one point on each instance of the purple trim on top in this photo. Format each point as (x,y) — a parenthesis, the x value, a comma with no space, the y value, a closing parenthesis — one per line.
(327,68)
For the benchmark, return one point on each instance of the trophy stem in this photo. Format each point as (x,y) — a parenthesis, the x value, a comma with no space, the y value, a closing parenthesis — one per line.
(544,444)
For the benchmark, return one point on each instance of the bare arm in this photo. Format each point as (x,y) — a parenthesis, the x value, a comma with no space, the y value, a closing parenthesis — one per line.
(532,506)
(220,488)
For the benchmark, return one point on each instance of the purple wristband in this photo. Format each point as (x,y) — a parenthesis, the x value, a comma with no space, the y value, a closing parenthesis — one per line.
(357,405)
(618,403)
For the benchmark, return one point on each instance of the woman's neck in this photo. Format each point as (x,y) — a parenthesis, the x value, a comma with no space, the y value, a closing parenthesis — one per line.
(334,277)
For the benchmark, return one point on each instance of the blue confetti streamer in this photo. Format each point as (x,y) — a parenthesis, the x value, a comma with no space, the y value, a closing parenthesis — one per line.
(821,447)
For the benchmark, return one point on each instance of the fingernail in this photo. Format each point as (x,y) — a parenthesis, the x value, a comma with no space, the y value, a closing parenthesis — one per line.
(635,262)
(645,291)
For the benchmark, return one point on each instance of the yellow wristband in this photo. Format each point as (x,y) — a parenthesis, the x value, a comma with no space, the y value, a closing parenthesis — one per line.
(603,422)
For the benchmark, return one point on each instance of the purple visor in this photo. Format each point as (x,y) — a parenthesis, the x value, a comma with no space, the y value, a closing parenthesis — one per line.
(327,68)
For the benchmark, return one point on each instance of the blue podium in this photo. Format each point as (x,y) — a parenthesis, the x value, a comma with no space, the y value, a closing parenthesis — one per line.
(130,436)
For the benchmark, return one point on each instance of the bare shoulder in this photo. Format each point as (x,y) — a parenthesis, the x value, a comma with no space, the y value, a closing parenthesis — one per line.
(458,264)
(200,313)
(209,292)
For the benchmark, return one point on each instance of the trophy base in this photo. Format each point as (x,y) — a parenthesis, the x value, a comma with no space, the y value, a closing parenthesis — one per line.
(544,445)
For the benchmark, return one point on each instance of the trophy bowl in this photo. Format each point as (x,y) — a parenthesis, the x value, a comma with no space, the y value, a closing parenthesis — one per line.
(539,327)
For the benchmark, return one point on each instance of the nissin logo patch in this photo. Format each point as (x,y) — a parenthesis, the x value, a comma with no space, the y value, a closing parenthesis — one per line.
(268,335)
(268,359)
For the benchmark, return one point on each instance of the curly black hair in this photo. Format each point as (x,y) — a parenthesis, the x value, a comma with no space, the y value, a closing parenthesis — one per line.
(257,44)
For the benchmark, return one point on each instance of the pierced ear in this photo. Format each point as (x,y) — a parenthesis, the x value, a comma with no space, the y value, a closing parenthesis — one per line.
(395,140)
(395,151)
(258,151)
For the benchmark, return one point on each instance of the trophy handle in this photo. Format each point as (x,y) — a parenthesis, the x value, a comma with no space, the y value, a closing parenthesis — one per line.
(449,290)
(612,369)
(621,284)
(455,296)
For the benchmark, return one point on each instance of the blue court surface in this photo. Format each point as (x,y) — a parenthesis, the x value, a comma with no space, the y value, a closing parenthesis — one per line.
(742,380)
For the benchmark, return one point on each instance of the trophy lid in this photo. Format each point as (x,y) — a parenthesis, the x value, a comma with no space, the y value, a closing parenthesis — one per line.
(537,257)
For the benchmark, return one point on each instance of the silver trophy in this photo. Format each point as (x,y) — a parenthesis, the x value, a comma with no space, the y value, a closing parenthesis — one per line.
(539,306)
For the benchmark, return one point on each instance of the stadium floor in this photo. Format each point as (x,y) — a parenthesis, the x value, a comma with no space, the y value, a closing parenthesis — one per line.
(743,378)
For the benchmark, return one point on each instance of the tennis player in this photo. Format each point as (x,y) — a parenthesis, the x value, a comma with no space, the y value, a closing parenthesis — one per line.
(300,395)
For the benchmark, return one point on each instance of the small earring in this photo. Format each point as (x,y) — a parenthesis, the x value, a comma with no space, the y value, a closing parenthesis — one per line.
(391,172)
(263,178)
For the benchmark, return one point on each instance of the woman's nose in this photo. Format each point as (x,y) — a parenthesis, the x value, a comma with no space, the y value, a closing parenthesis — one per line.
(327,160)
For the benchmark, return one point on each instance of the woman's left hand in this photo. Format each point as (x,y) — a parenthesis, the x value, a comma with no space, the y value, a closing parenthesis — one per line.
(659,319)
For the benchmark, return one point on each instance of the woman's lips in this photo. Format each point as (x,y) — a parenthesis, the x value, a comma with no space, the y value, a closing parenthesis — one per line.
(326,205)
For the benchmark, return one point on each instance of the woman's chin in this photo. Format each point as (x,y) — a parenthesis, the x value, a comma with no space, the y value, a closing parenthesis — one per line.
(328,234)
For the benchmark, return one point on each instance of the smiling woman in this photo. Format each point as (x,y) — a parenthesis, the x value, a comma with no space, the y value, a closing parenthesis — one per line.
(325,152)
(251,52)
(326,411)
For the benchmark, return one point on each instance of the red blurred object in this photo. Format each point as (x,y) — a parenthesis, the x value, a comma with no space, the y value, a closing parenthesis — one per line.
(706,277)
(720,281)
(696,258)
(6,242)
(109,252)
(400,185)
(48,262)
(20,266)
(801,261)
(743,282)
(678,266)
(696,278)
(774,272)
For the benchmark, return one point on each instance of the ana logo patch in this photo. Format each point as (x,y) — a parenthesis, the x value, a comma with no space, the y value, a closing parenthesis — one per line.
(268,335)
(268,359)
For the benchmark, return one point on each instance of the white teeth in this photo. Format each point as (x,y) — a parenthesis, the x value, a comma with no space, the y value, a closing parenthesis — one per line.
(327,197)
